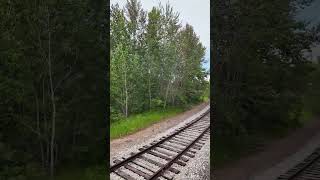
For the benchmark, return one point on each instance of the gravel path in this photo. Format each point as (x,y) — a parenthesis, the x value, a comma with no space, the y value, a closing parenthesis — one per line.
(290,162)
(277,156)
(202,157)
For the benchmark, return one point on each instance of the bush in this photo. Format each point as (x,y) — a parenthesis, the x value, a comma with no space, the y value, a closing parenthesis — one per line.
(96,173)
(157,103)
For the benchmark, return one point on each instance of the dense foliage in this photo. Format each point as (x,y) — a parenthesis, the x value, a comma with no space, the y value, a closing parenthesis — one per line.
(312,97)
(52,86)
(155,62)
(260,71)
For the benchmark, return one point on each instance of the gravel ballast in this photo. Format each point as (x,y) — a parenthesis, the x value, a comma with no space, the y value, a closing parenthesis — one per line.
(152,131)
(196,168)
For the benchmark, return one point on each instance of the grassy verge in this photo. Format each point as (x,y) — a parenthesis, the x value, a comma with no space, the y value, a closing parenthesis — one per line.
(205,98)
(137,122)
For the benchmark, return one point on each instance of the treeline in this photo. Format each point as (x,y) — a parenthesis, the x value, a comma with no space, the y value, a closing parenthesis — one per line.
(260,70)
(312,96)
(52,86)
(155,62)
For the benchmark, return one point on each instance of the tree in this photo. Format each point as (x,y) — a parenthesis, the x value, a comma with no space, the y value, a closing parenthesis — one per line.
(146,55)
(52,54)
(259,68)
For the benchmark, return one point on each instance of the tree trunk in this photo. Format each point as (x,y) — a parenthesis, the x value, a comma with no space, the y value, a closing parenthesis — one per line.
(56,152)
(53,123)
(166,96)
(46,128)
(74,129)
(126,93)
(38,129)
(149,88)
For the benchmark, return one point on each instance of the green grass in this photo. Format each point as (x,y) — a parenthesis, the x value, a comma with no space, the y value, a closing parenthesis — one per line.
(140,121)
(205,98)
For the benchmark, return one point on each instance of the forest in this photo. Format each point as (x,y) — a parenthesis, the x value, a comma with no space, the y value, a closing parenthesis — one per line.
(263,82)
(54,76)
(53,93)
(156,62)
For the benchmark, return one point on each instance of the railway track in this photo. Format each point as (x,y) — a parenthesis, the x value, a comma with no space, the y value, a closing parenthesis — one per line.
(309,169)
(163,158)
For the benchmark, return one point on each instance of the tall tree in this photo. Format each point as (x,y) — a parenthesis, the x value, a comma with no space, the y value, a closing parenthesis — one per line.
(259,68)
(146,55)
(50,49)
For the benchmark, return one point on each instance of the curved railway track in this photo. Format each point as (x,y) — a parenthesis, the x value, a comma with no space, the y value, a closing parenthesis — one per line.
(160,159)
(309,169)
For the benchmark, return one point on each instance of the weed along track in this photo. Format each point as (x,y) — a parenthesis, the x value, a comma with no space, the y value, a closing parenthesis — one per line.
(309,169)
(164,158)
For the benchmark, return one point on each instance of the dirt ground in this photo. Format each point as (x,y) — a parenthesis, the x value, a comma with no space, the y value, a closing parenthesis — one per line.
(273,153)
(145,134)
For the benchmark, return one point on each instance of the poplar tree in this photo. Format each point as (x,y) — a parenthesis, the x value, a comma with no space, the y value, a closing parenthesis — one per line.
(155,62)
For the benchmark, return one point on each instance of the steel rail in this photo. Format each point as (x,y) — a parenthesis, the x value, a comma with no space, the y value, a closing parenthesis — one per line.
(168,165)
(119,164)
(303,168)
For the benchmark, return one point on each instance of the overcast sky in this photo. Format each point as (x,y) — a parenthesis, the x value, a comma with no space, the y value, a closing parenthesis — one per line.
(193,12)
(311,14)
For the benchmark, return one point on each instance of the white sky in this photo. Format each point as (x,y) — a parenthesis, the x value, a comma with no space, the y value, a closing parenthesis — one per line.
(194,12)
